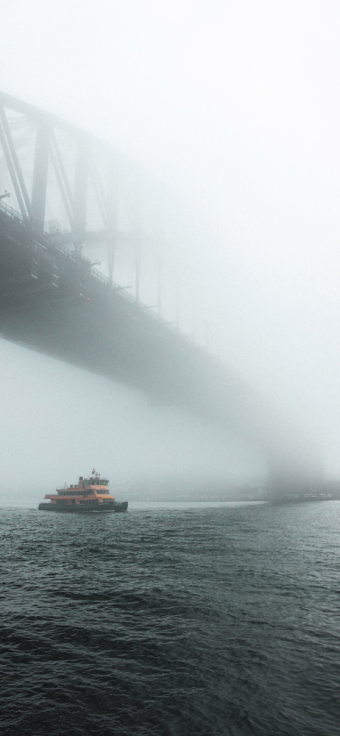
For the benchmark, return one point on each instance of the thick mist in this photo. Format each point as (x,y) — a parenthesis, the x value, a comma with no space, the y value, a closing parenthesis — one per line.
(233,108)
(59,421)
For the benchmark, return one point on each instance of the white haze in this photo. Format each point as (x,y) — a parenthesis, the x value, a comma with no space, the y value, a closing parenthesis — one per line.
(234,106)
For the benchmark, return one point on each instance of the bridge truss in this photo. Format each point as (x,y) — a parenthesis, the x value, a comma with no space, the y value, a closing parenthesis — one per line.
(78,190)
(72,197)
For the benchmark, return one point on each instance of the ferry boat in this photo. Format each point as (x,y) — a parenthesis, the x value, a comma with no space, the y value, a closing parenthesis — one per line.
(89,495)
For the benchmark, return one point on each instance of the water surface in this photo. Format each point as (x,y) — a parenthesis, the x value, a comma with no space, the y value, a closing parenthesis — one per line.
(217,619)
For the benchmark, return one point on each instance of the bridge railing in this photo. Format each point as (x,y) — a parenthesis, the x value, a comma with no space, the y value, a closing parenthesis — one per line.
(43,239)
(11,212)
(46,240)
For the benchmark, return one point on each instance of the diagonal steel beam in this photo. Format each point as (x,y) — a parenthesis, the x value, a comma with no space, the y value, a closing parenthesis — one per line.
(15,161)
(12,173)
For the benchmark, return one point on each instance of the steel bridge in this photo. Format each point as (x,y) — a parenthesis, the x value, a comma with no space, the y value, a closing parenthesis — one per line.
(71,196)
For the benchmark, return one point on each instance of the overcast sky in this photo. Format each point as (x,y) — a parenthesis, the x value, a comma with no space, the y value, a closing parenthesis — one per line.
(234,105)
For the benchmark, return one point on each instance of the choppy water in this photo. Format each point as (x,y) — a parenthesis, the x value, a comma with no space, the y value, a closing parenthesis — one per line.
(177,621)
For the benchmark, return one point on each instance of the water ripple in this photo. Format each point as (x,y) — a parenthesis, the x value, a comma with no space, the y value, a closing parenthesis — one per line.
(221,621)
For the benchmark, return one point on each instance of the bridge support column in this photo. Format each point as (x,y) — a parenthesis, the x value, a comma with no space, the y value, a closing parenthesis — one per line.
(112,217)
(294,475)
(40,173)
(80,194)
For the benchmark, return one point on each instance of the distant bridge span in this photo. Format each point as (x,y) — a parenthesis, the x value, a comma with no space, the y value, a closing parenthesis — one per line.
(53,299)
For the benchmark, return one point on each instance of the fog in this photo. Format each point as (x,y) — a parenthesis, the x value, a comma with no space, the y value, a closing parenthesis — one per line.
(234,109)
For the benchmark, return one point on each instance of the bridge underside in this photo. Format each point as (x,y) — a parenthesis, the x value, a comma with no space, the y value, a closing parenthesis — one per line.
(51,300)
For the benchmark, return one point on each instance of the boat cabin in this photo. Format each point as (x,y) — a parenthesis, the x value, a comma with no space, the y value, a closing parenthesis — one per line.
(93,490)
